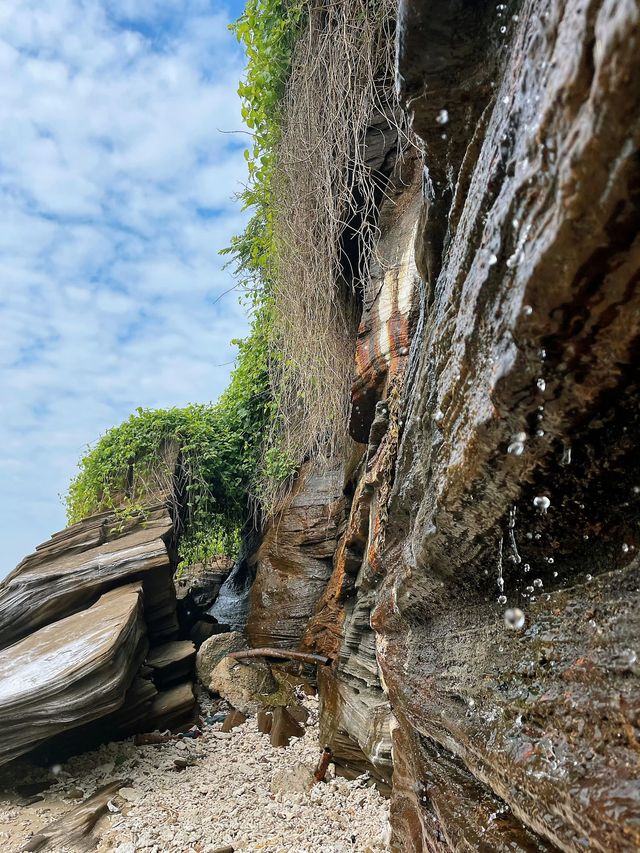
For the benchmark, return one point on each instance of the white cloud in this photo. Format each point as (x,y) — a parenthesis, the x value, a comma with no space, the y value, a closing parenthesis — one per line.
(116,193)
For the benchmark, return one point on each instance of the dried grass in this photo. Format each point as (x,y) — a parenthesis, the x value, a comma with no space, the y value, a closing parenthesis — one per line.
(324,193)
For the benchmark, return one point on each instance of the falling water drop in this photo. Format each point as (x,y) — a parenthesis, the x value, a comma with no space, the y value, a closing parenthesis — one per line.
(541,384)
(443,117)
(502,599)
(527,310)
(625,547)
(538,582)
(542,503)
(588,578)
(514,618)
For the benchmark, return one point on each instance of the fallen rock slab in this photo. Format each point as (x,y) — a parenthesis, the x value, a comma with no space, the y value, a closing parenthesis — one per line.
(71,672)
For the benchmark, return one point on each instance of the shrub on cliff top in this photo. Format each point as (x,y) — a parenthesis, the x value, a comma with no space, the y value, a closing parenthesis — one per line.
(219,445)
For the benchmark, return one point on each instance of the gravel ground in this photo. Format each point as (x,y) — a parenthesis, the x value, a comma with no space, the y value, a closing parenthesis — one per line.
(224,797)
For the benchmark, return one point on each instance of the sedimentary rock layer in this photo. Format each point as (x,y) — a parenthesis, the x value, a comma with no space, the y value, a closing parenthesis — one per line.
(521,394)
(70,672)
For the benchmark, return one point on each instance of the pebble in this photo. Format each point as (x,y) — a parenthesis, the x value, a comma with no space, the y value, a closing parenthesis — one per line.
(224,800)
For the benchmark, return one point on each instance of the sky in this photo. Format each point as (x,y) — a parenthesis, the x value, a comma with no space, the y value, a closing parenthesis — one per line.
(119,160)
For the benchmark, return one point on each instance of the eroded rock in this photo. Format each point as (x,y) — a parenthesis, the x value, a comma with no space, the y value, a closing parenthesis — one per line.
(245,686)
(213,650)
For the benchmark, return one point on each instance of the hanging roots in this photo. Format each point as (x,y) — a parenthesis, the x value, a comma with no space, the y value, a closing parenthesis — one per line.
(325,200)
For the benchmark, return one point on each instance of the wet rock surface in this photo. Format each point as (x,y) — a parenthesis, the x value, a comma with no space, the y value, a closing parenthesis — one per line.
(516,480)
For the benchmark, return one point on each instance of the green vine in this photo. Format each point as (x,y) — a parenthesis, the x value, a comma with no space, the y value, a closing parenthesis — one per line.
(220,446)
(267,30)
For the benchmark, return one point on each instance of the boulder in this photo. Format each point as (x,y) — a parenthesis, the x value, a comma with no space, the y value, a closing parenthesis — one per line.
(244,686)
(214,649)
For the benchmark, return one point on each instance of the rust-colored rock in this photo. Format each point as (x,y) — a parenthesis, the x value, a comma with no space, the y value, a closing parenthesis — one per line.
(295,559)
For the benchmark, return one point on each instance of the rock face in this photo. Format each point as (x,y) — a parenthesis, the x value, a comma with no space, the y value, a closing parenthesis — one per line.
(522,393)
(293,563)
(498,456)
(77,620)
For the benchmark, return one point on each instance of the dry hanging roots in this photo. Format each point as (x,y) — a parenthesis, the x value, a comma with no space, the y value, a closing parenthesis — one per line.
(323,190)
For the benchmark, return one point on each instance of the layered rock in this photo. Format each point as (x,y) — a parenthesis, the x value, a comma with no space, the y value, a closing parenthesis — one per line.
(498,443)
(77,620)
(293,563)
(522,394)
(70,672)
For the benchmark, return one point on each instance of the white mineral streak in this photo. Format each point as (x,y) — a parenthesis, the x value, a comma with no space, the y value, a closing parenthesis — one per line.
(398,289)
(222,798)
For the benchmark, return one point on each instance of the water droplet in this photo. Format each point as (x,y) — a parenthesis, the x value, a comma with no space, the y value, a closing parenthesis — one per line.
(443,117)
(438,416)
(538,582)
(539,433)
(541,384)
(625,547)
(542,353)
(492,260)
(555,574)
(628,657)
(566,455)
(542,503)
(516,448)
(529,589)
(512,261)
(514,618)
(588,578)
(502,599)
(527,567)
(503,29)
(549,560)
(636,490)
(56,769)
(527,310)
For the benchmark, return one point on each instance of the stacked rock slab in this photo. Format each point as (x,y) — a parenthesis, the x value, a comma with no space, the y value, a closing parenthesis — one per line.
(77,620)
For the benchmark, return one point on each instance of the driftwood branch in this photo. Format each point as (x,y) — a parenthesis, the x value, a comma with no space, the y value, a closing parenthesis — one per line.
(281,654)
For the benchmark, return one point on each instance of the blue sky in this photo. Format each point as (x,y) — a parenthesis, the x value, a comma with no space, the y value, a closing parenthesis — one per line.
(116,193)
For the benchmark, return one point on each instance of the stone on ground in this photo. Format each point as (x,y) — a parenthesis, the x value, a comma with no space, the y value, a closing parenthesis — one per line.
(214,649)
(245,686)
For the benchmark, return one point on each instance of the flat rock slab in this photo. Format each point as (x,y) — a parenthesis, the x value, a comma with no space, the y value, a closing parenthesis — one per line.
(52,584)
(71,672)
(172,662)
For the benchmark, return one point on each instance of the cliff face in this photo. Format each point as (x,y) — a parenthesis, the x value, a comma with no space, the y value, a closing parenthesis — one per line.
(495,404)
(471,566)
